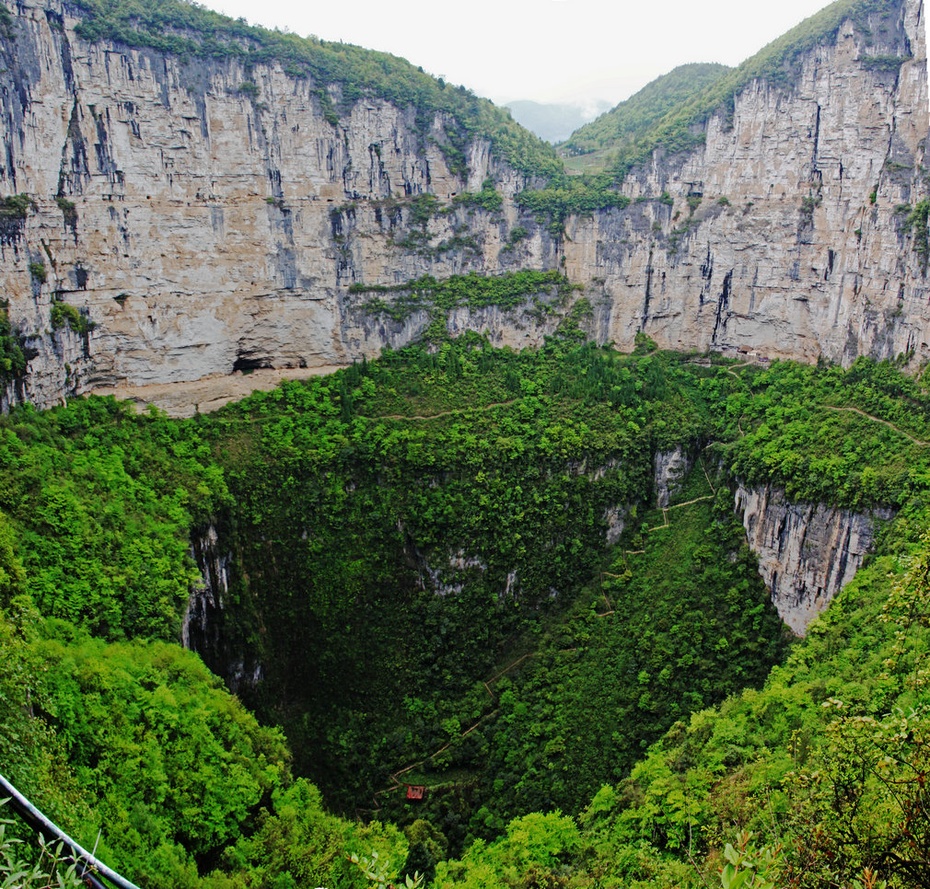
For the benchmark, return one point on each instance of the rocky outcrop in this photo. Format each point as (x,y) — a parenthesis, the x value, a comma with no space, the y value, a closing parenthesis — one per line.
(206,601)
(807,552)
(450,577)
(201,219)
(205,628)
(670,469)
(785,233)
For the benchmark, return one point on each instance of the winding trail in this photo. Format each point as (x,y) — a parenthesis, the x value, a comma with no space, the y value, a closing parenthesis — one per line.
(454,410)
(396,783)
(855,410)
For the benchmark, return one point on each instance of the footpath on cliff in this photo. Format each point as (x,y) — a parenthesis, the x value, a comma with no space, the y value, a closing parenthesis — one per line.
(185,399)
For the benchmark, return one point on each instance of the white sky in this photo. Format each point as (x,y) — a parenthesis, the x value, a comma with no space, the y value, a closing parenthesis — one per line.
(547,50)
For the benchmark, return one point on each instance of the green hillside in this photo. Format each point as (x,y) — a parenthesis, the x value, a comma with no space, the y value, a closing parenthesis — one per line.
(777,63)
(618,132)
(526,714)
(631,132)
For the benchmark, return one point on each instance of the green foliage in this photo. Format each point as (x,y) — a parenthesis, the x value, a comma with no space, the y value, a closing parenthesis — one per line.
(68,211)
(133,749)
(826,764)
(13,212)
(31,754)
(38,272)
(172,763)
(16,207)
(475,492)
(439,297)
(419,565)
(432,534)
(517,233)
(297,844)
(627,653)
(621,128)
(12,356)
(422,208)
(918,223)
(12,574)
(531,854)
(6,22)
(380,874)
(643,344)
(65,315)
(747,867)
(571,195)
(853,438)
(488,199)
(53,869)
(890,64)
(809,204)
(101,503)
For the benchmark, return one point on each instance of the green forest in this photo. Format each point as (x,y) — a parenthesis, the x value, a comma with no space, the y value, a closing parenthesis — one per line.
(435,620)
(446,570)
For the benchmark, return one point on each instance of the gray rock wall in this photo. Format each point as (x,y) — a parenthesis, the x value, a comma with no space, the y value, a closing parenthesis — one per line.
(797,248)
(219,226)
(807,552)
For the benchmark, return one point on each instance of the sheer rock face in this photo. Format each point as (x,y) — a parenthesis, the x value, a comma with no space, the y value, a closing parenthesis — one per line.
(807,552)
(792,247)
(669,471)
(210,219)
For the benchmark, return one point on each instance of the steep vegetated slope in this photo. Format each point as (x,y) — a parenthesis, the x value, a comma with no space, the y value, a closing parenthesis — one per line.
(473,585)
(447,569)
(617,135)
(781,209)
(461,534)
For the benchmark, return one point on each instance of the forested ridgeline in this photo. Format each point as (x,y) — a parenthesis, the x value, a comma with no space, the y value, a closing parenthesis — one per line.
(670,113)
(447,571)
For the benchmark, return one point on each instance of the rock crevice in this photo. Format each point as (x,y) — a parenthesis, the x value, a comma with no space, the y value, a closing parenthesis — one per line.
(216,218)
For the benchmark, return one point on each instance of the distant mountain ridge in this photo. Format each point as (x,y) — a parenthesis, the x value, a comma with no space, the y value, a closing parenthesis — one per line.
(554,121)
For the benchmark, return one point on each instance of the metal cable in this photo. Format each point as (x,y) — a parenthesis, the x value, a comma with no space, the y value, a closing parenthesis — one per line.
(52,833)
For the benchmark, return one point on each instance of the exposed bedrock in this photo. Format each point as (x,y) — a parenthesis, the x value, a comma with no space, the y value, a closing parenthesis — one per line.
(201,218)
(807,552)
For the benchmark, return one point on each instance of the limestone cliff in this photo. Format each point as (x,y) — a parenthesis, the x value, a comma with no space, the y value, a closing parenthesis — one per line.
(807,552)
(786,233)
(194,217)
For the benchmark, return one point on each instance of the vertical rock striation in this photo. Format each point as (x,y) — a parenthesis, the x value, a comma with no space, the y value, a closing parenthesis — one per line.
(199,628)
(807,552)
(669,471)
(785,233)
(199,218)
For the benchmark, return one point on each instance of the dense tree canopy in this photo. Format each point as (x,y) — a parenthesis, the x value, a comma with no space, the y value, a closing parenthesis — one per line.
(423,593)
